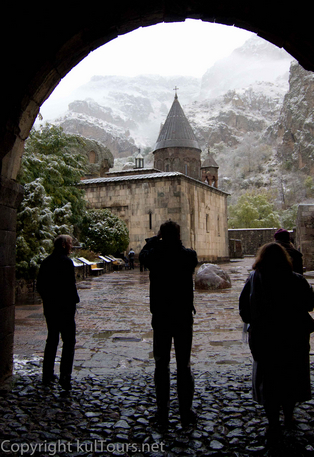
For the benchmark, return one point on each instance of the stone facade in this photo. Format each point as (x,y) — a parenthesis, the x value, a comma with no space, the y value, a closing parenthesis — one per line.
(185,160)
(145,201)
(305,234)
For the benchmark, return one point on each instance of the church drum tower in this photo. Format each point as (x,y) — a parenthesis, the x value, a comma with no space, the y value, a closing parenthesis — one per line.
(176,148)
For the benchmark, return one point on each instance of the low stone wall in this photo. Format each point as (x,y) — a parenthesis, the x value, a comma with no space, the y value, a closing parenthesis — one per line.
(252,238)
(235,249)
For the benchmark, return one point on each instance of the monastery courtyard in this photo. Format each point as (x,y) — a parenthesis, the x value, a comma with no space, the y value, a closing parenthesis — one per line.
(110,410)
(114,325)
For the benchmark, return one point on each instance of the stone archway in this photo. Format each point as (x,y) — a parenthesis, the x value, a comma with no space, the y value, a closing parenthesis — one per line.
(40,48)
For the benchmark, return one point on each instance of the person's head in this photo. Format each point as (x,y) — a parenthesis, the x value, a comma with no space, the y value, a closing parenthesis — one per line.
(272,257)
(282,235)
(63,243)
(170,232)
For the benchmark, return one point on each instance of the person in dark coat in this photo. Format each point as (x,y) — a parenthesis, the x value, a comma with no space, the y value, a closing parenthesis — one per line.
(131,256)
(275,303)
(171,267)
(282,237)
(57,287)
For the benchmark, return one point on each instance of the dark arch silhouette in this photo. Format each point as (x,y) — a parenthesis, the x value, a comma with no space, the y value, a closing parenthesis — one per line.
(41,45)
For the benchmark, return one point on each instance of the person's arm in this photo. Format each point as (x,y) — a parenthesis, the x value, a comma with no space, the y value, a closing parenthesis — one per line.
(307,294)
(244,302)
(145,253)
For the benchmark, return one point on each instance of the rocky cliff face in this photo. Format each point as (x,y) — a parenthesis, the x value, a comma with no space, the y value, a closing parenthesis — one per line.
(228,118)
(295,127)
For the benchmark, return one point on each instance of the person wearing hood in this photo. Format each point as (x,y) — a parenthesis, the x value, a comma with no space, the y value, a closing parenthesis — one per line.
(171,267)
(282,237)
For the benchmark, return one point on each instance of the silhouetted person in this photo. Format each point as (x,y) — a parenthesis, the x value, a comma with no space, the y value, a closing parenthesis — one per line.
(282,237)
(131,256)
(56,285)
(275,302)
(171,268)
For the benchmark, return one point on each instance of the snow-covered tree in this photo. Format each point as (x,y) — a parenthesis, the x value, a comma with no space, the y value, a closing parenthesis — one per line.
(49,155)
(104,232)
(37,226)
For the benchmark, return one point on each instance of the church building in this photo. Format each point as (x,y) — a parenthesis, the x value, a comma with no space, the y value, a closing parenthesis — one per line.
(178,187)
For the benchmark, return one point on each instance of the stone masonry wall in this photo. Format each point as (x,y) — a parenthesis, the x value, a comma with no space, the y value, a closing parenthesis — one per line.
(10,196)
(305,234)
(145,204)
(252,239)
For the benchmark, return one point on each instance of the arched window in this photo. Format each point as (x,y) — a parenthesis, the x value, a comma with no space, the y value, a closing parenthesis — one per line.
(92,157)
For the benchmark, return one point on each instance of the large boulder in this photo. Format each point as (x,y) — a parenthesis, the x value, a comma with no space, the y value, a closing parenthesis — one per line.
(210,276)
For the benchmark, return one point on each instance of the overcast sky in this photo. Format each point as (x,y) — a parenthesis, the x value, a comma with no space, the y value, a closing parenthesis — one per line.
(183,48)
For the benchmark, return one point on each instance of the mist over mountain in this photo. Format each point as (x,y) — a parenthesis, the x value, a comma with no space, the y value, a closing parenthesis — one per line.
(256,61)
(127,109)
(125,113)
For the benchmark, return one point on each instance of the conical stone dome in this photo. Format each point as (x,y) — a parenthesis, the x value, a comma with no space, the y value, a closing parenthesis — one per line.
(176,131)
(176,148)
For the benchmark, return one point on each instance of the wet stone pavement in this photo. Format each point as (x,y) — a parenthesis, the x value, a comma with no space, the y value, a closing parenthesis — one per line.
(110,410)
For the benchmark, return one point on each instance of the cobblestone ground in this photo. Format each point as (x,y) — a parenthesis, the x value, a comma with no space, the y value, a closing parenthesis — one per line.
(110,410)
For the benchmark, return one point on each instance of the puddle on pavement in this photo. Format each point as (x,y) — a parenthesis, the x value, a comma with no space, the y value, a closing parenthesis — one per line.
(225,343)
(105,334)
(227,362)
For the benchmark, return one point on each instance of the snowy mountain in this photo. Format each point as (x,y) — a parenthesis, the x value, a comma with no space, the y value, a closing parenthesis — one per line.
(256,61)
(129,110)
(125,113)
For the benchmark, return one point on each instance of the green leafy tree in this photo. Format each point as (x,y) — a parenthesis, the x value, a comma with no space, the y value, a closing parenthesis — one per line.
(47,156)
(253,210)
(104,232)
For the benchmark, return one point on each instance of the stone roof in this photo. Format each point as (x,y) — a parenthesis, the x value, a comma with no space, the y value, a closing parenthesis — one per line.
(209,162)
(166,174)
(138,177)
(176,131)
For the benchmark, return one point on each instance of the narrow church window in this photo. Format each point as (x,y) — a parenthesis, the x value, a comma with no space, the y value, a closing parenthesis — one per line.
(167,167)
(218,225)
(207,223)
(186,168)
(150,221)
